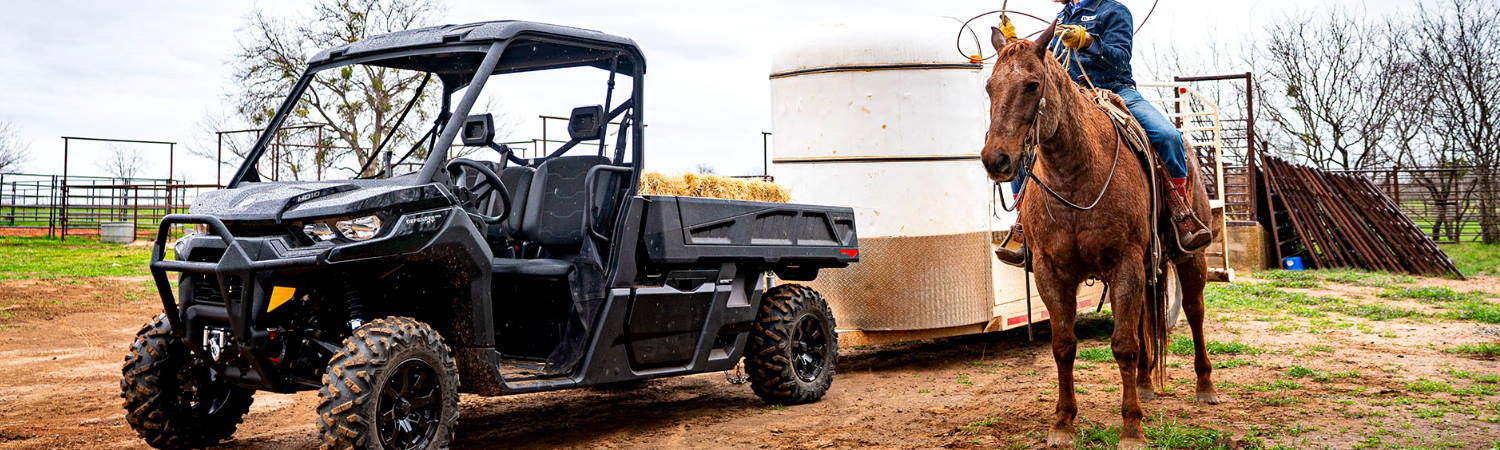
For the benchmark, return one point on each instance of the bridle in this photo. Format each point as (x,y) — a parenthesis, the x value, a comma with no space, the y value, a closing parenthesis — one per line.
(1032,148)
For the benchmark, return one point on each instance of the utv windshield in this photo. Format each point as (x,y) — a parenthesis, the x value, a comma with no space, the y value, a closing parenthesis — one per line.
(383,116)
(347,121)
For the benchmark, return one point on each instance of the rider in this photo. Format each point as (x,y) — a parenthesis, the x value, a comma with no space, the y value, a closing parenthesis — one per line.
(1102,32)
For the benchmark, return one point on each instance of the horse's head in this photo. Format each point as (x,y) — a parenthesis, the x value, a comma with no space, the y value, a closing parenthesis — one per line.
(1022,78)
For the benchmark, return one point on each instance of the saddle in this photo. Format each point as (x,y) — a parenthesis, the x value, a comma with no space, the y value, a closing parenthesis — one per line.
(1134,138)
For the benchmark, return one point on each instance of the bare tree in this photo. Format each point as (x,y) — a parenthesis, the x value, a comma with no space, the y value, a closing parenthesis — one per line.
(13,151)
(706,169)
(122,162)
(1330,70)
(1449,47)
(356,104)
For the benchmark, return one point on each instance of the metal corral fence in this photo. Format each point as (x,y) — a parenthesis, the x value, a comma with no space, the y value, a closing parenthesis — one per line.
(1448,203)
(54,206)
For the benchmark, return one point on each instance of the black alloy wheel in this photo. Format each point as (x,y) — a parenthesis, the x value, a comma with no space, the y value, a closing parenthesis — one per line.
(409,408)
(809,347)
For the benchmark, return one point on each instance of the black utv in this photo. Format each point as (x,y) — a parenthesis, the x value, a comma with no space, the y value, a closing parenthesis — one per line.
(429,274)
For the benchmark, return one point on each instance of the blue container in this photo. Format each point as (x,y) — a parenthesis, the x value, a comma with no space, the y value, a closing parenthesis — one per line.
(1292,263)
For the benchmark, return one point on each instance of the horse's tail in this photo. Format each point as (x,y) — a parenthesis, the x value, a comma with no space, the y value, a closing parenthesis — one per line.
(1154,331)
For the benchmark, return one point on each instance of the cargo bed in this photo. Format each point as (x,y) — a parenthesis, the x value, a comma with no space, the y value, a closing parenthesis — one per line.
(789,237)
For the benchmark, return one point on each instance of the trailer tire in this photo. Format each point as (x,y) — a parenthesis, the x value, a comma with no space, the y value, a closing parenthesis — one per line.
(163,387)
(394,367)
(792,352)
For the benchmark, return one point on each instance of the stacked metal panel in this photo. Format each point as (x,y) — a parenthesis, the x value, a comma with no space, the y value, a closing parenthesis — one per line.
(1342,220)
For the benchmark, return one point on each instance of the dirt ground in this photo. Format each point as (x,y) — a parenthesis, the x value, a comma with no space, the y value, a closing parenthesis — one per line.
(62,343)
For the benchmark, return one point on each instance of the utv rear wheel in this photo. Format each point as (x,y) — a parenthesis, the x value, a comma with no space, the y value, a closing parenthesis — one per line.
(393,385)
(793,351)
(173,400)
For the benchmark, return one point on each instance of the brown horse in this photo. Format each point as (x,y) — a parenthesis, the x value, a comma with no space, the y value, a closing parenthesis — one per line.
(1033,102)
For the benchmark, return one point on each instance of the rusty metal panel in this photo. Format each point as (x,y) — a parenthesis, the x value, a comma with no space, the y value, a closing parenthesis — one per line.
(1346,221)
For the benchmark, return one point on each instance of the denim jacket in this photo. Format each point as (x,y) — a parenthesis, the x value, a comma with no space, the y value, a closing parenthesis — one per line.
(1107,58)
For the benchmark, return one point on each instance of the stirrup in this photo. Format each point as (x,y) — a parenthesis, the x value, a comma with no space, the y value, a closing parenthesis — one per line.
(1010,257)
(1015,257)
(1195,240)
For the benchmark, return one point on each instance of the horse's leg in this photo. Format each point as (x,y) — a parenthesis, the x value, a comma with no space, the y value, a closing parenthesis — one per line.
(1128,297)
(1060,294)
(1194,275)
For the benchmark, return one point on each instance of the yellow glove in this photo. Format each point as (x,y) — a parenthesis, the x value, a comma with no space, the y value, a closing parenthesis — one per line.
(1007,29)
(1074,36)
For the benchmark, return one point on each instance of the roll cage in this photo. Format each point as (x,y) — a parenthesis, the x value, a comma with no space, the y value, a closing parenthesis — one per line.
(466,56)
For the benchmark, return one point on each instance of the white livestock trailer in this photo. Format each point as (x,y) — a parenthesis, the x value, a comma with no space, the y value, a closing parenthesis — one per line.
(884,115)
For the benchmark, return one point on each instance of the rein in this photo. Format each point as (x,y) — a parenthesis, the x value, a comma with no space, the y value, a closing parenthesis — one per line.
(1036,143)
(1114,164)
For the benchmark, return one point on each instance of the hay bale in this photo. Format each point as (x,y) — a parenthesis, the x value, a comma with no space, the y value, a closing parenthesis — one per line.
(712,186)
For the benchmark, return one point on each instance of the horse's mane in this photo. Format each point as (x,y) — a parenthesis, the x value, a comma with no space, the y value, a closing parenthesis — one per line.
(1015,46)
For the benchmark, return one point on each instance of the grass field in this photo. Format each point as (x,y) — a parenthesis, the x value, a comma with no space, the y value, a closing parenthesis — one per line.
(44,258)
(1475,259)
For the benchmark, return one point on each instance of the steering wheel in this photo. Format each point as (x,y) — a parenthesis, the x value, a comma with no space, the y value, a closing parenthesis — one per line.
(488,178)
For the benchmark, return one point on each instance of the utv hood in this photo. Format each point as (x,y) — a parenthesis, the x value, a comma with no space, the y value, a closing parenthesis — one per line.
(298,200)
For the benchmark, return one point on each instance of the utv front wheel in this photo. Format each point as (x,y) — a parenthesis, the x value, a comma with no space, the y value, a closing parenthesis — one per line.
(393,385)
(173,400)
(792,351)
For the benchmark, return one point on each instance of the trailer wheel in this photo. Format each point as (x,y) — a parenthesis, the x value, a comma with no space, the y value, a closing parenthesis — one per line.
(393,385)
(171,399)
(793,351)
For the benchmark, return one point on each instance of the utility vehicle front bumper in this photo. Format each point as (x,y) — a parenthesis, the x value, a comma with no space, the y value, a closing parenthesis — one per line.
(234,272)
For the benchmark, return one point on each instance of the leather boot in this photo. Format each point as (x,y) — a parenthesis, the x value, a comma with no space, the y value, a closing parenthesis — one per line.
(1015,257)
(1191,233)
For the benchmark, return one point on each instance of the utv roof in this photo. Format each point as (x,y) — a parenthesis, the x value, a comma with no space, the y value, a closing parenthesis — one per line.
(557,37)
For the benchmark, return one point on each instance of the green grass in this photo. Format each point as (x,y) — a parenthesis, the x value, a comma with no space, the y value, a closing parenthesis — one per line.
(1426,386)
(1475,259)
(1234,363)
(1429,294)
(1258,297)
(1484,349)
(1375,311)
(1308,279)
(1278,401)
(1273,386)
(1097,354)
(1470,305)
(1296,371)
(1267,299)
(1300,372)
(1161,431)
(982,423)
(24,257)
(1183,345)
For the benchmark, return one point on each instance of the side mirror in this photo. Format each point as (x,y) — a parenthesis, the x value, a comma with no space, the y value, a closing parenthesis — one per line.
(584,123)
(479,130)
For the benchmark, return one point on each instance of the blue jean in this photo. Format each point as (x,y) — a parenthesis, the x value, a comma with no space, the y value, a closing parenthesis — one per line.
(1164,137)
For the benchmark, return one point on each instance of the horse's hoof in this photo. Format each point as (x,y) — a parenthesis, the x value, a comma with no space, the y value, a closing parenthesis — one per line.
(1146,395)
(1059,438)
(1209,397)
(1131,443)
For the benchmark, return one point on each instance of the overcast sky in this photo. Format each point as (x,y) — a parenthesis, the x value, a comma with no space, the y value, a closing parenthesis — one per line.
(153,70)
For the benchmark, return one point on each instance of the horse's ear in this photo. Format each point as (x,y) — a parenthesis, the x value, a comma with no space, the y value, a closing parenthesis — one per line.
(1045,39)
(997,38)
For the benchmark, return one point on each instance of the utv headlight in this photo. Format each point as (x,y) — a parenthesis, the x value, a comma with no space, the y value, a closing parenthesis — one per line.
(359,229)
(318,231)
